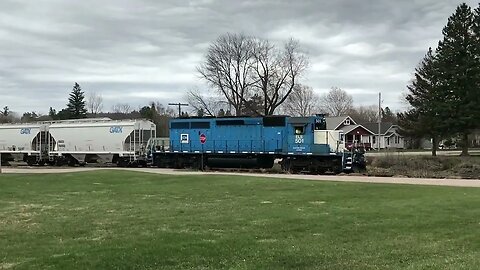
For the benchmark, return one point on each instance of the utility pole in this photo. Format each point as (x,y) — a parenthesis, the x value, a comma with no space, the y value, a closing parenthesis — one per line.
(179,107)
(379,118)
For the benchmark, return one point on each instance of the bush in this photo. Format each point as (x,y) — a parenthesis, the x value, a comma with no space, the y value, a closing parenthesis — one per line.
(424,166)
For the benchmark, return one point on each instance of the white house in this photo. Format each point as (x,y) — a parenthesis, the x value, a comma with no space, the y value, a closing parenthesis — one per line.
(367,133)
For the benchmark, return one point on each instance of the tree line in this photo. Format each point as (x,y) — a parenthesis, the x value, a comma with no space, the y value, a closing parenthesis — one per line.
(444,94)
(256,77)
(80,106)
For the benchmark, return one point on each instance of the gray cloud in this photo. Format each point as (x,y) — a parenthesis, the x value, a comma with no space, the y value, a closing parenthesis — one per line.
(137,51)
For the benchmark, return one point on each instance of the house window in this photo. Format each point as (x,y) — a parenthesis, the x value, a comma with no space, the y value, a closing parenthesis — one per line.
(347,122)
(388,141)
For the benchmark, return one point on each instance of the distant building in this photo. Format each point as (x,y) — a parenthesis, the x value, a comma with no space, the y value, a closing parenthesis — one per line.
(366,134)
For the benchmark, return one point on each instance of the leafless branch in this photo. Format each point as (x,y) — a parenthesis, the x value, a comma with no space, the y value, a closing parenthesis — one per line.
(121,108)
(302,102)
(95,103)
(337,102)
(227,68)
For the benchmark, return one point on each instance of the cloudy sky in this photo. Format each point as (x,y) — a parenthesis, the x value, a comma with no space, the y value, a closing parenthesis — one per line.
(134,51)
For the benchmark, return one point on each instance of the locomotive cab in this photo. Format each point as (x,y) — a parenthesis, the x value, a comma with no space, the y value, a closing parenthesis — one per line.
(308,135)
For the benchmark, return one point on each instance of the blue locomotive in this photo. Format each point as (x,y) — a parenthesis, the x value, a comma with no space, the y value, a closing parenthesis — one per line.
(302,144)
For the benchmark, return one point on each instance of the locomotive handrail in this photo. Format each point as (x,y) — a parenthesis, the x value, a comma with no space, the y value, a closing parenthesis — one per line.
(225,146)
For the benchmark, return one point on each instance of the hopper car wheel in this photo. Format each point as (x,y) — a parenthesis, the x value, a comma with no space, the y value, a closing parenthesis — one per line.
(121,163)
(72,162)
(41,163)
(59,162)
(30,162)
(133,164)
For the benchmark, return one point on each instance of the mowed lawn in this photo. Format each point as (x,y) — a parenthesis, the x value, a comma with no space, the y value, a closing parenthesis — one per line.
(127,220)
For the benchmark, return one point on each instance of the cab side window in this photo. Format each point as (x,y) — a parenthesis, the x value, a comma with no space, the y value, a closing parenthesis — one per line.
(299,130)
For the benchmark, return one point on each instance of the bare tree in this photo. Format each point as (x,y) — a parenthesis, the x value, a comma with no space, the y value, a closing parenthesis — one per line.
(228,66)
(277,72)
(209,105)
(161,109)
(337,102)
(364,114)
(302,102)
(121,108)
(94,103)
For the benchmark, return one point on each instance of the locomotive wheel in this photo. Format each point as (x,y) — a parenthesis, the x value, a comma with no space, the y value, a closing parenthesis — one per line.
(286,165)
(358,169)
(59,162)
(178,163)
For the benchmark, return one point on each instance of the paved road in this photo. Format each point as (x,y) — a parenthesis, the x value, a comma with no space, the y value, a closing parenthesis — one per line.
(340,178)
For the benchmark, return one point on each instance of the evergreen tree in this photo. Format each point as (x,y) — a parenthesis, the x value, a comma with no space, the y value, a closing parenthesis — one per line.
(426,117)
(29,117)
(63,114)
(52,113)
(459,73)
(253,106)
(388,116)
(476,33)
(76,103)
(148,112)
(6,111)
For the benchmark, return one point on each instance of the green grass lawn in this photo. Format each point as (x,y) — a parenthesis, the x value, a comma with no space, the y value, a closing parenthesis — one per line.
(127,220)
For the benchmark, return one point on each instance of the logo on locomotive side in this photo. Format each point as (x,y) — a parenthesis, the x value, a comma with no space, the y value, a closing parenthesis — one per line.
(299,139)
(25,131)
(116,129)
(184,138)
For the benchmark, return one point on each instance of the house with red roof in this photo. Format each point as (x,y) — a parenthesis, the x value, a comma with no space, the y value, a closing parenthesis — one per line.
(366,134)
